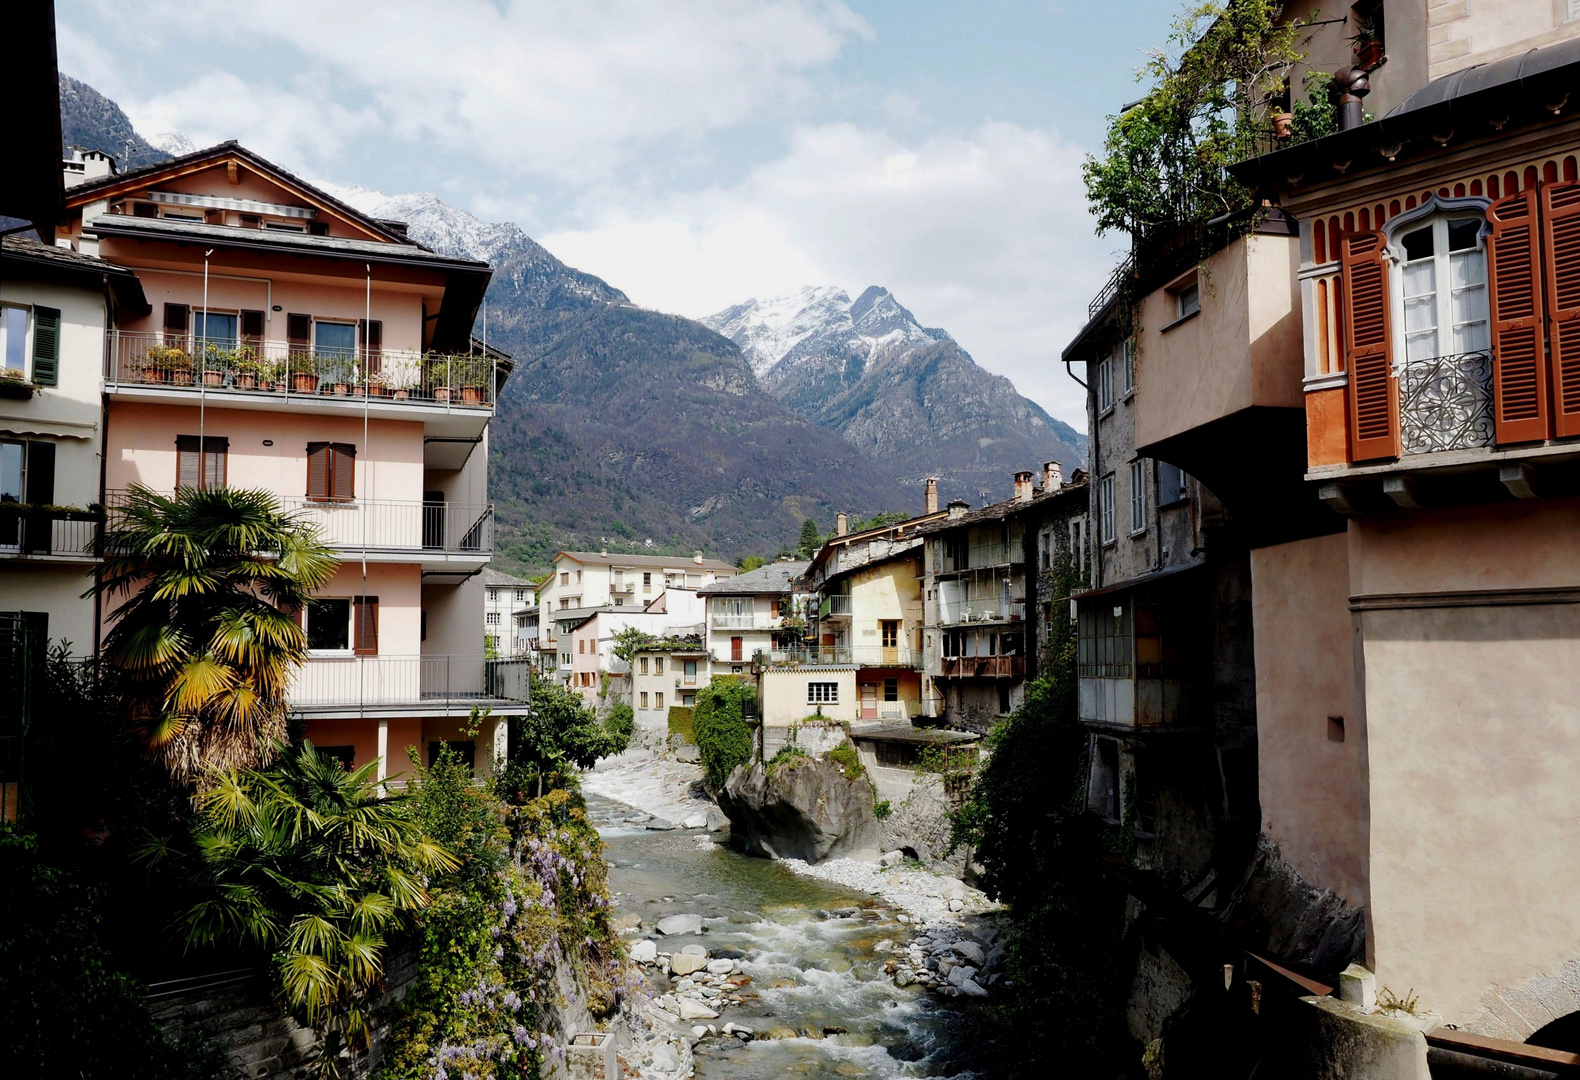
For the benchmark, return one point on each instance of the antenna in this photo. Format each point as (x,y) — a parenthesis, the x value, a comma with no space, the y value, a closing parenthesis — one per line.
(126,154)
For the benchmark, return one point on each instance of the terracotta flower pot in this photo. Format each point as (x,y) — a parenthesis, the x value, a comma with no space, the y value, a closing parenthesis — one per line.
(181,378)
(471,395)
(246,381)
(377,391)
(441,393)
(304,382)
(213,378)
(1283,125)
(402,394)
(342,389)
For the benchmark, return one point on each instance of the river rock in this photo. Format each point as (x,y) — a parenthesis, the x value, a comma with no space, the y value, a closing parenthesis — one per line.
(695,821)
(644,951)
(699,1031)
(970,951)
(717,822)
(680,924)
(696,1010)
(720,967)
(780,1032)
(957,904)
(891,858)
(806,810)
(631,921)
(961,974)
(685,964)
(695,950)
(970,988)
(659,824)
(950,888)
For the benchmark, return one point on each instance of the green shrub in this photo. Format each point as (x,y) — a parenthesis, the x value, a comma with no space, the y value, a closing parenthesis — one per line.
(789,754)
(719,725)
(883,809)
(848,760)
(680,723)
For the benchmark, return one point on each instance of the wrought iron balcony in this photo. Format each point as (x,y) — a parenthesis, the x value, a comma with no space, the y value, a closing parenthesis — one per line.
(416,681)
(49,532)
(746,621)
(283,371)
(838,655)
(1445,403)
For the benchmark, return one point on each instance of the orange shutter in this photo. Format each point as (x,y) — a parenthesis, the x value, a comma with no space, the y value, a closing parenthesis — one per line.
(1561,236)
(366,642)
(1519,381)
(1374,399)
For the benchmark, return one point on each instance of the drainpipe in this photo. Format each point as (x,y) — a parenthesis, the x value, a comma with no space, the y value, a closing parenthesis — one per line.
(1093,481)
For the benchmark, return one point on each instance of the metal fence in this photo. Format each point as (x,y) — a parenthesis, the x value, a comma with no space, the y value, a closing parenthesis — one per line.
(403,680)
(32,531)
(290,370)
(378,523)
(1445,403)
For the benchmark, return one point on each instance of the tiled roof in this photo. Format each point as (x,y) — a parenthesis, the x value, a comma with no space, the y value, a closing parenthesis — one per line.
(671,562)
(775,577)
(998,510)
(495,577)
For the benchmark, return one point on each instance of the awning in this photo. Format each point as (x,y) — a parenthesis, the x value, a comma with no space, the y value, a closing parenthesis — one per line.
(55,429)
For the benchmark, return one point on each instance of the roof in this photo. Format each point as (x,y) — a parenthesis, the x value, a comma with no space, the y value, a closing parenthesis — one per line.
(90,271)
(909,733)
(495,577)
(775,577)
(999,510)
(672,562)
(1495,73)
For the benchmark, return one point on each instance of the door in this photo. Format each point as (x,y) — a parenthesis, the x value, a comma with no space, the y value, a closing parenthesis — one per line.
(891,640)
(433,519)
(869,701)
(736,647)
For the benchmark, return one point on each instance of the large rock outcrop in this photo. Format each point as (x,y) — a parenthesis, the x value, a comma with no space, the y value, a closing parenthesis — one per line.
(804,808)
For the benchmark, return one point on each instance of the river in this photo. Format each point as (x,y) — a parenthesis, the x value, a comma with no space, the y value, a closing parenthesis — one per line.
(809,948)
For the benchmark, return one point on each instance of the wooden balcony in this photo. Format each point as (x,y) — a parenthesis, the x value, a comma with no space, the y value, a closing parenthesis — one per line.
(983,667)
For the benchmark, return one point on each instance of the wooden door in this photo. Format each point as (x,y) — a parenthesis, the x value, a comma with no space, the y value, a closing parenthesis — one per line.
(869,701)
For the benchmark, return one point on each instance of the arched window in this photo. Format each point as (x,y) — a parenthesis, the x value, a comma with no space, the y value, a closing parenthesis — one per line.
(1443,285)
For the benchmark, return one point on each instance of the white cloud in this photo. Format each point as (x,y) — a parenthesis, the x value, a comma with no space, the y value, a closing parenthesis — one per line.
(983,232)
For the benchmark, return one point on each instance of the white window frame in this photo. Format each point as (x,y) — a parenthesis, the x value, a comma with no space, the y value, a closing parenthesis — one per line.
(1105,384)
(822,693)
(1438,221)
(1106,524)
(1138,497)
(1187,299)
(491,619)
(27,338)
(1127,368)
(351,626)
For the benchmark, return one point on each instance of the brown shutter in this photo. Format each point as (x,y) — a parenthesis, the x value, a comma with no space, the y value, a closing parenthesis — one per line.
(1519,380)
(1374,398)
(366,627)
(298,330)
(176,319)
(372,332)
(342,472)
(189,462)
(252,328)
(216,458)
(317,470)
(1561,236)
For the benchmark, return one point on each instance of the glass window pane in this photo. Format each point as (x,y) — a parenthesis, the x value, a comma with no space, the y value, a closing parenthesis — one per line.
(338,339)
(1418,245)
(10,472)
(1462,234)
(13,328)
(329,624)
(1467,268)
(216,329)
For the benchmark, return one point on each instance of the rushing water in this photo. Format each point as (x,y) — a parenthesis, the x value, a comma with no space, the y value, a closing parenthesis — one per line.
(808,947)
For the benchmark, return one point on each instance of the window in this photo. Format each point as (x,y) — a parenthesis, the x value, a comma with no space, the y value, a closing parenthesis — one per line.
(1444,286)
(335,340)
(688,700)
(690,671)
(27,475)
(493,596)
(1102,786)
(643,665)
(1105,508)
(1173,484)
(521,595)
(581,646)
(822,693)
(491,641)
(1187,300)
(647,582)
(1138,496)
(13,339)
(216,330)
(891,689)
(890,629)
(1105,383)
(1103,642)
(1127,367)
(1003,698)
(658,665)
(492,619)
(643,698)
(565,578)
(578,577)
(328,624)
(658,699)
(201,461)
(331,472)
(1570,11)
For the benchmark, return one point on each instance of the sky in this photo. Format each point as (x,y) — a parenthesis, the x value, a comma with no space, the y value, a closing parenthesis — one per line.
(692,154)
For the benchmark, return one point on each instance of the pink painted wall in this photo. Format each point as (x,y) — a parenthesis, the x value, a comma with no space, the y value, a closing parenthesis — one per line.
(141,448)
(1313,789)
(1512,545)
(399,589)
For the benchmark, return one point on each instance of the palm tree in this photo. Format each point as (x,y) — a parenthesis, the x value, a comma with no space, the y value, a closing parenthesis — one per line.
(314,865)
(204,588)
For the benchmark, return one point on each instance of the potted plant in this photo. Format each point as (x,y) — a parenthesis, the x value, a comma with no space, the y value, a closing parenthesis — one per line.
(471,374)
(160,360)
(1368,40)
(13,385)
(304,376)
(246,365)
(178,368)
(439,378)
(378,384)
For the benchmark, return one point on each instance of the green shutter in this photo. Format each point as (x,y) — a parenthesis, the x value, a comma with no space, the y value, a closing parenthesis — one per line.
(46,346)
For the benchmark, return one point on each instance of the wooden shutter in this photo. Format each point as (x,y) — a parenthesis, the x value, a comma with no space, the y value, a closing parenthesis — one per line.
(318,470)
(201,462)
(1561,239)
(189,462)
(216,458)
(252,328)
(342,472)
(1519,381)
(46,346)
(365,641)
(1374,397)
(298,330)
(176,320)
(372,332)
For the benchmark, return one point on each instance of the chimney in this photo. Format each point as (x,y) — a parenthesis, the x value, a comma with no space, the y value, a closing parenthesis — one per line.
(958,508)
(1023,489)
(1052,476)
(841,523)
(97,164)
(932,495)
(1349,85)
(696,557)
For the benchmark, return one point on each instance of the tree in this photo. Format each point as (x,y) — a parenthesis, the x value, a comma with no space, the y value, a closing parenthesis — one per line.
(752,562)
(560,733)
(810,540)
(718,723)
(203,588)
(317,866)
(878,521)
(630,641)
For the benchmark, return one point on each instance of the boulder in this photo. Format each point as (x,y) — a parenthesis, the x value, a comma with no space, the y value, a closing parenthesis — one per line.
(685,964)
(720,967)
(717,822)
(644,951)
(696,1010)
(695,950)
(949,888)
(969,951)
(970,988)
(659,824)
(630,921)
(680,924)
(891,858)
(695,821)
(805,810)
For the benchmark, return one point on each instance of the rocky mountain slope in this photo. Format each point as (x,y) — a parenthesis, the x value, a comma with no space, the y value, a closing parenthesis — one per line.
(91,120)
(906,395)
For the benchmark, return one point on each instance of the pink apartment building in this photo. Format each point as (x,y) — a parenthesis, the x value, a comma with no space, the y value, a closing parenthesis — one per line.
(296,345)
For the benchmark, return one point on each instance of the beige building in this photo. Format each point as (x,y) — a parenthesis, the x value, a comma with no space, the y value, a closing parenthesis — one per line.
(664,677)
(753,612)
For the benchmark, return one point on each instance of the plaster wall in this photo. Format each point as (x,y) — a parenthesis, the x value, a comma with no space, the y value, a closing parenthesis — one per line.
(886,590)
(782,695)
(1312,786)
(35,586)
(454,616)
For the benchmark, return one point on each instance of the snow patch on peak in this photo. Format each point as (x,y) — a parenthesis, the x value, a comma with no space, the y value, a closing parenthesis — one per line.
(173,143)
(434,223)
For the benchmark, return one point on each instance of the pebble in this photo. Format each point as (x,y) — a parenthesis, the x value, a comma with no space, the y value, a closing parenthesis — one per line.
(644,951)
(695,1010)
(695,950)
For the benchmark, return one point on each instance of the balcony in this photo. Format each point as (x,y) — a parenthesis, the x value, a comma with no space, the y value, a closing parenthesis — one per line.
(952,612)
(410,685)
(983,667)
(874,656)
(982,557)
(1445,403)
(49,533)
(834,606)
(747,621)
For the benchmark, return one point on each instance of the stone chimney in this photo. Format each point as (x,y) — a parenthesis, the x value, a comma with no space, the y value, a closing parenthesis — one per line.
(841,523)
(1052,476)
(696,557)
(932,495)
(1023,488)
(958,508)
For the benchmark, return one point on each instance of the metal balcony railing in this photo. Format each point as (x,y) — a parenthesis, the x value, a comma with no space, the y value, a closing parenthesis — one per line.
(747,621)
(1445,403)
(466,528)
(36,532)
(834,605)
(409,680)
(951,612)
(829,655)
(289,371)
